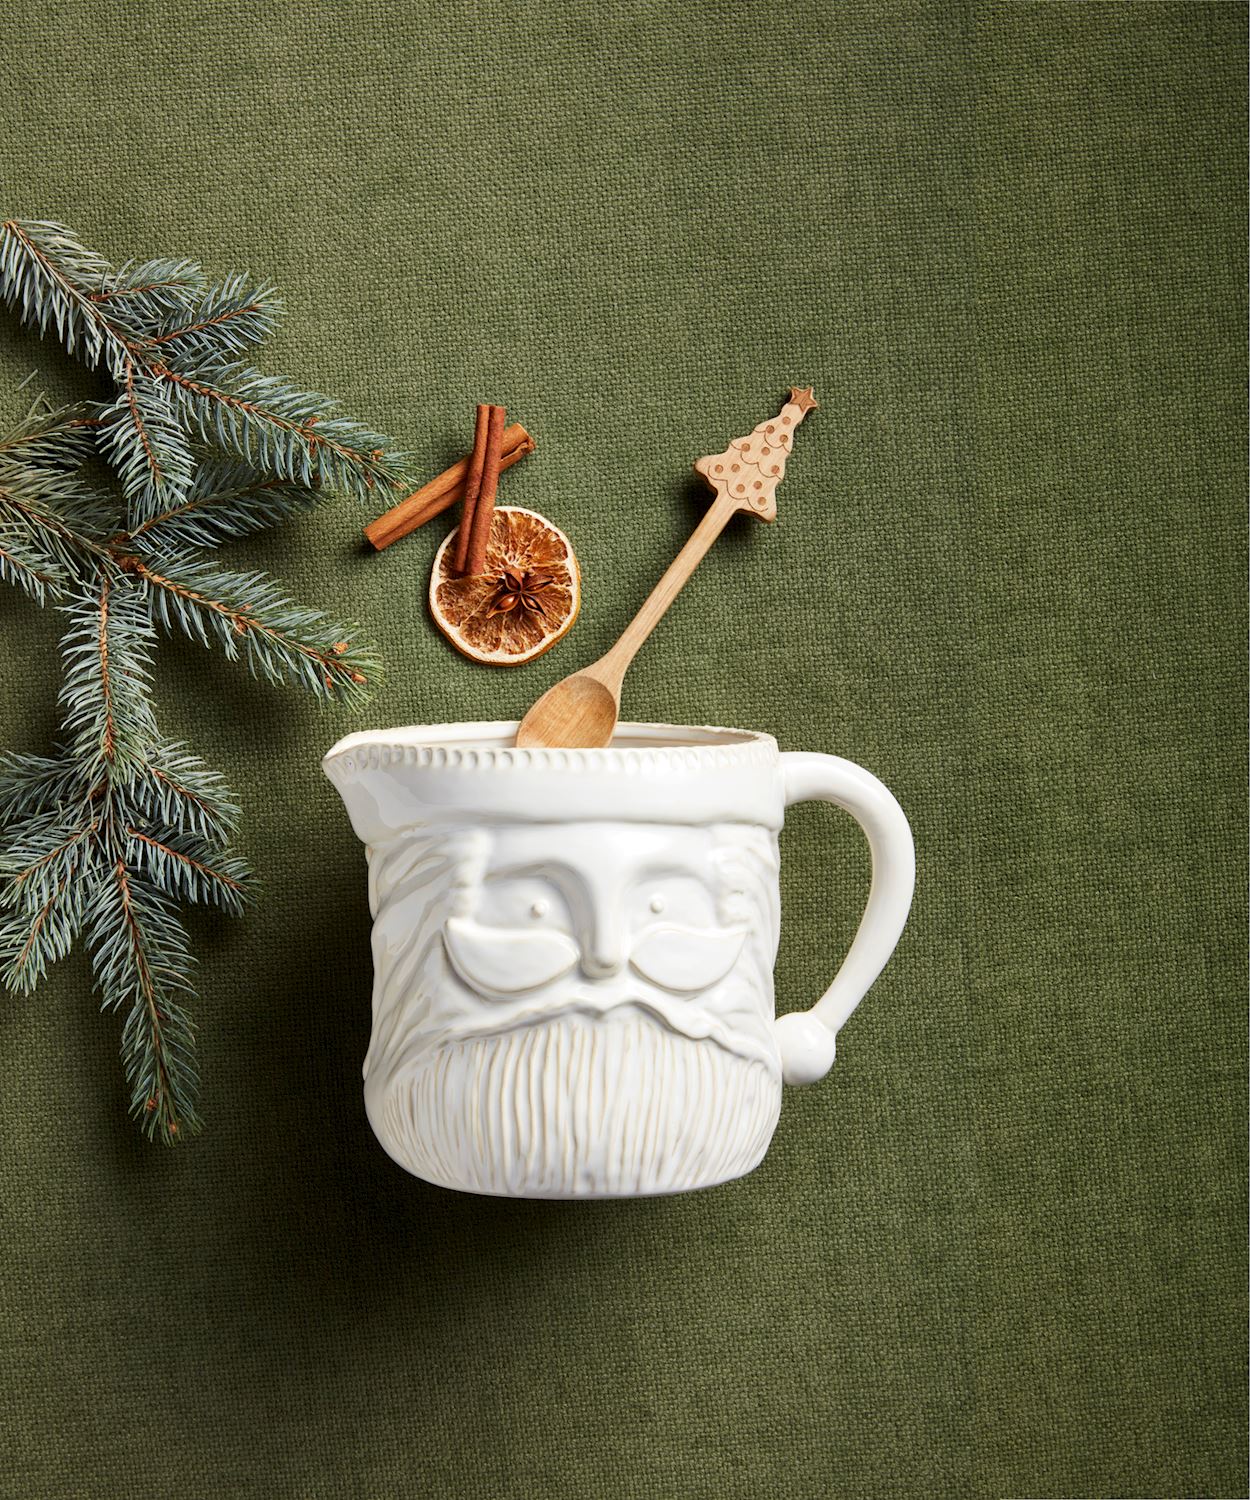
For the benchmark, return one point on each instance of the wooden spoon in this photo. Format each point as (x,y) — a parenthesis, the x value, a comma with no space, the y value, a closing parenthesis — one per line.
(582,710)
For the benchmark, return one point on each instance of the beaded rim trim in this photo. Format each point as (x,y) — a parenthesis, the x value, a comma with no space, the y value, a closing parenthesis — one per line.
(748,749)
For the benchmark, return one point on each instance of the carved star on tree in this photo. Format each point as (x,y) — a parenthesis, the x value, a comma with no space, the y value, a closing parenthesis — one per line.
(803,398)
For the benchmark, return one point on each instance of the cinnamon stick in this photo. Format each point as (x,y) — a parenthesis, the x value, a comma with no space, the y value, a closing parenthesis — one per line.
(441,494)
(484,510)
(472,487)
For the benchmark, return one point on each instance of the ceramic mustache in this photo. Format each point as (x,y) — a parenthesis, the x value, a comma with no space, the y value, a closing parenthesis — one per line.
(505,961)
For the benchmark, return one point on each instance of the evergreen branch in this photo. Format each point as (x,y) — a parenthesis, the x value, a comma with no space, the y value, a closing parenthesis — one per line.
(57,509)
(248,616)
(38,846)
(107,656)
(48,277)
(62,437)
(176,789)
(226,500)
(158,1057)
(33,784)
(41,896)
(281,430)
(30,570)
(147,446)
(144,295)
(226,322)
(142,962)
(189,868)
(33,935)
(42,539)
(113,832)
(35,535)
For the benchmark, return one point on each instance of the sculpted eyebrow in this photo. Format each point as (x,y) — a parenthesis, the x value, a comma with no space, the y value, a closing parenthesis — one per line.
(512,872)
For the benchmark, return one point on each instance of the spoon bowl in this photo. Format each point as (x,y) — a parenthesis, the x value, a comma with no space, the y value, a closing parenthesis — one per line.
(580,712)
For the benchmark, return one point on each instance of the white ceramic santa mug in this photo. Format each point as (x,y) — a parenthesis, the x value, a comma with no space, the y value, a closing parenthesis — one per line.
(573,951)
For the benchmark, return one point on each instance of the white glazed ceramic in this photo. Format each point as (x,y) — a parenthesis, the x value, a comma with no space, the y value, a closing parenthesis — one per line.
(573,951)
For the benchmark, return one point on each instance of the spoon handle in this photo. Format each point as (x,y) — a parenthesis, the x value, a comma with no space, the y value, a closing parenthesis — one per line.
(614,664)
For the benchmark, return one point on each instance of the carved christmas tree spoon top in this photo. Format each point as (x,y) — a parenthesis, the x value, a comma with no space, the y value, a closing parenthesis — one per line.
(751,468)
(583,709)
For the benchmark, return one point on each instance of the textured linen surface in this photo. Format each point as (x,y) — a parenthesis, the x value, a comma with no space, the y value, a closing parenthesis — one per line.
(1000,1250)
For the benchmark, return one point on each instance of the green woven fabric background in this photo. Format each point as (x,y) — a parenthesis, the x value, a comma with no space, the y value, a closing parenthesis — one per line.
(1000,1250)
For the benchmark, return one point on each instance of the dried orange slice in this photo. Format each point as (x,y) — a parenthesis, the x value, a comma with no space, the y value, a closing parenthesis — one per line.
(527,598)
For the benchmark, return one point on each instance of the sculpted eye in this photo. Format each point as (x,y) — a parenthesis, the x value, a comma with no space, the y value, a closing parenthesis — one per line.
(673,894)
(514,901)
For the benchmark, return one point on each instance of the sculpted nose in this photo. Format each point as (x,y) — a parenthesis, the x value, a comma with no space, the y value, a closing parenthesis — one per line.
(603,954)
(601,963)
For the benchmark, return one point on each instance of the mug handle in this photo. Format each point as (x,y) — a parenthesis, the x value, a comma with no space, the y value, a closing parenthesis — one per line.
(806,1038)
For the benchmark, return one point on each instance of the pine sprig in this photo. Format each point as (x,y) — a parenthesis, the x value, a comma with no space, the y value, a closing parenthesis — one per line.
(29,568)
(107,654)
(33,784)
(38,853)
(142,295)
(176,789)
(226,500)
(191,869)
(171,342)
(36,931)
(281,430)
(54,283)
(248,617)
(143,966)
(36,503)
(224,323)
(146,446)
(118,829)
(50,823)
(52,437)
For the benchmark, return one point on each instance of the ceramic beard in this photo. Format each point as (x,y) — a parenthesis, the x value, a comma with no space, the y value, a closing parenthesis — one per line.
(521,972)
(573,951)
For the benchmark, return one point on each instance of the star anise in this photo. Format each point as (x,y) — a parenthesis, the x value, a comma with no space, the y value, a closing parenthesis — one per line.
(519,591)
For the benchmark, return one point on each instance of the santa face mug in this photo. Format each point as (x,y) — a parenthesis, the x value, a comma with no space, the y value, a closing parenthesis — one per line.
(573,951)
